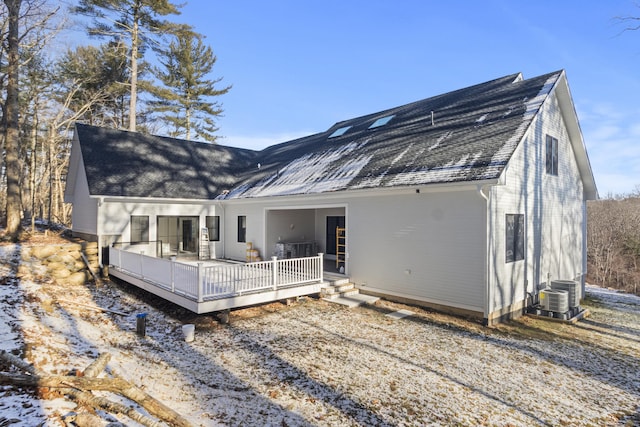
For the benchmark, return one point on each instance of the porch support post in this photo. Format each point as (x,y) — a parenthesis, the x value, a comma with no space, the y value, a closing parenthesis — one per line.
(200,281)
(275,272)
(321,265)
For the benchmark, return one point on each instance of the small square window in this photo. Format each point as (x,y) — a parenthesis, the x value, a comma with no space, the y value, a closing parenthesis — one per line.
(242,228)
(552,155)
(514,238)
(139,229)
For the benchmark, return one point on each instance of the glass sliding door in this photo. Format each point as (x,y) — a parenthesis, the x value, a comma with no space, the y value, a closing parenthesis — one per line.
(178,235)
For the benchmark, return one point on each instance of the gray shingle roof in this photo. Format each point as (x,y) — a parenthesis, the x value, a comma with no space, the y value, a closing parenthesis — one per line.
(464,135)
(130,164)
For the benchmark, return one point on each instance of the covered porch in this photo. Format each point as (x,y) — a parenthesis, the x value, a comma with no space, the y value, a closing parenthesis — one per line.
(217,285)
(306,231)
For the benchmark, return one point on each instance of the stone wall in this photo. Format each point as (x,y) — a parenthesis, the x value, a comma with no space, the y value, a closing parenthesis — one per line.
(62,262)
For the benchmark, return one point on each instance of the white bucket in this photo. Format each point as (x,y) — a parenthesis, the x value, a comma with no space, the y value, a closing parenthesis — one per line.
(189,332)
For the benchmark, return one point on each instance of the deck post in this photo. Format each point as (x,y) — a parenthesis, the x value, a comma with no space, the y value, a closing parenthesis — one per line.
(200,281)
(275,272)
(321,266)
(173,274)
(142,264)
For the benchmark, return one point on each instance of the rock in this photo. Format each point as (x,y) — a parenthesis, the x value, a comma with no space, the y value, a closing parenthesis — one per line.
(57,265)
(62,273)
(43,252)
(77,278)
(78,266)
(75,254)
(24,270)
(91,250)
(74,247)
(25,253)
(55,258)
(67,259)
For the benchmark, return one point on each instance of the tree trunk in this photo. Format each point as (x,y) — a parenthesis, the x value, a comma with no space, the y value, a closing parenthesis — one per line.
(32,173)
(85,397)
(11,131)
(187,118)
(113,385)
(50,162)
(134,73)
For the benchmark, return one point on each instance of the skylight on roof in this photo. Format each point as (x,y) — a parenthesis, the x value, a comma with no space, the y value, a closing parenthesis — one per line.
(340,131)
(381,121)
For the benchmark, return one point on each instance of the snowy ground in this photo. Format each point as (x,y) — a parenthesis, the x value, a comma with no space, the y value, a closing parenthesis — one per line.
(315,363)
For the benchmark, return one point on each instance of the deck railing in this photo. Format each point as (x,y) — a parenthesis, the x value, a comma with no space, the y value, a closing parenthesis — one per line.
(202,282)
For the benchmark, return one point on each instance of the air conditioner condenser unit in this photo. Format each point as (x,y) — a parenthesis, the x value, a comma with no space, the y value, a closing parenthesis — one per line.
(554,300)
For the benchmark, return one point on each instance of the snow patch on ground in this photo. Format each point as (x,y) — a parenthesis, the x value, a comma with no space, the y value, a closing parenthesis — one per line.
(316,363)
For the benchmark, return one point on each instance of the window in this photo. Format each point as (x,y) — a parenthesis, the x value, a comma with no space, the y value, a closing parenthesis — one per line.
(139,229)
(213,224)
(381,121)
(242,228)
(514,237)
(552,155)
(340,131)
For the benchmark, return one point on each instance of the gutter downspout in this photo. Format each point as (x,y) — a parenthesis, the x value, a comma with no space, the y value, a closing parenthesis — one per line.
(99,204)
(485,196)
(222,228)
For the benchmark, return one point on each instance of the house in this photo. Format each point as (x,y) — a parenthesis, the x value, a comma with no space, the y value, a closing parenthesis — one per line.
(470,201)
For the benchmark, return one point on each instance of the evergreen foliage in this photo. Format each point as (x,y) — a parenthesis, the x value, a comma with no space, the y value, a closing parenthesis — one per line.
(185,102)
(139,24)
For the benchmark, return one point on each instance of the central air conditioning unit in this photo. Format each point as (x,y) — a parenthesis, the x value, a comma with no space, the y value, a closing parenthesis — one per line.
(572,287)
(554,300)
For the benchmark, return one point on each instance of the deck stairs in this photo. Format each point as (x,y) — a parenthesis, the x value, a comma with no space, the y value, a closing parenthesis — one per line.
(343,291)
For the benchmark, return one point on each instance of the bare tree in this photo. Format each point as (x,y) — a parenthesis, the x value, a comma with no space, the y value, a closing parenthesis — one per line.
(614,242)
(631,23)
(10,120)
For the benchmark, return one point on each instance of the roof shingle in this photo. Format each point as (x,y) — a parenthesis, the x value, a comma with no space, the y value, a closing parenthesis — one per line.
(464,135)
(129,164)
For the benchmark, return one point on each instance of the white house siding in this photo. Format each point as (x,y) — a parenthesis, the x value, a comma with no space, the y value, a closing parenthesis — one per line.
(255,230)
(115,218)
(279,219)
(554,215)
(427,246)
(289,226)
(84,215)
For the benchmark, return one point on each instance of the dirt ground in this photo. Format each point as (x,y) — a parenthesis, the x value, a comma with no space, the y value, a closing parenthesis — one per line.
(316,363)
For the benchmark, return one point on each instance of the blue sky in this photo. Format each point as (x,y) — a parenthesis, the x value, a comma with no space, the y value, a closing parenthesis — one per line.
(297,67)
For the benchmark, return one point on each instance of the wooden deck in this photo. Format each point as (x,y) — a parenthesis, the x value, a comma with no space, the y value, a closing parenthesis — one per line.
(209,286)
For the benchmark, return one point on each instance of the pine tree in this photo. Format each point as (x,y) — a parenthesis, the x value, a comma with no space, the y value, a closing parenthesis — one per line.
(185,103)
(139,23)
(92,76)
